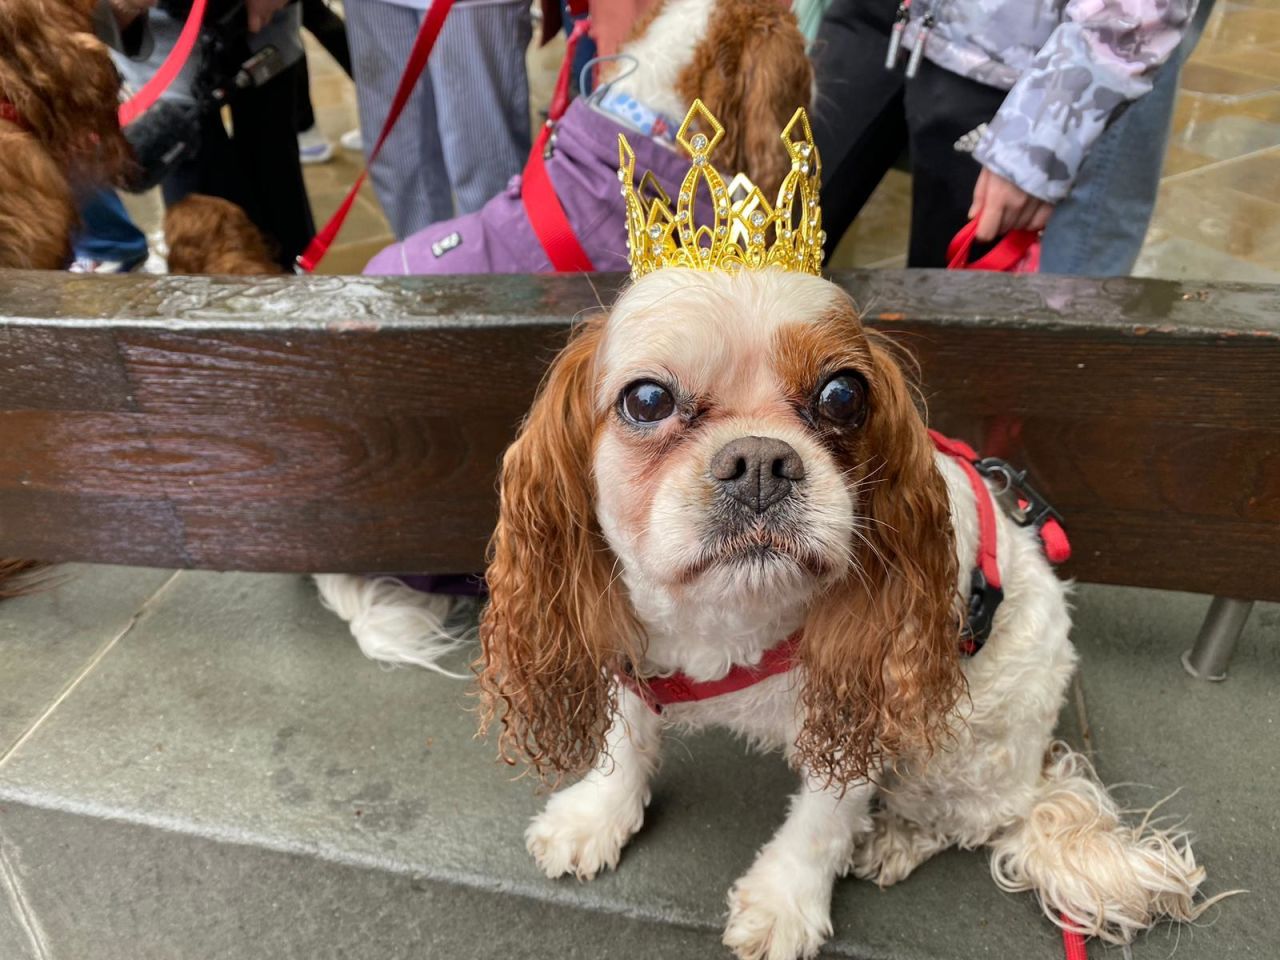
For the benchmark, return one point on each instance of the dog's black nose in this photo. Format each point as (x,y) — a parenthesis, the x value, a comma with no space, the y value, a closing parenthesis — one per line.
(757,471)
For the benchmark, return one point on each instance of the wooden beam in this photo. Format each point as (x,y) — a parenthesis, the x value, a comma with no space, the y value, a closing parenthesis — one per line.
(329,424)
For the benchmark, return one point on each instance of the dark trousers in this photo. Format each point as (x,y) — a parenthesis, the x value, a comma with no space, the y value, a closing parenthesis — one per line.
(327,27)
(258,167)
(865,116)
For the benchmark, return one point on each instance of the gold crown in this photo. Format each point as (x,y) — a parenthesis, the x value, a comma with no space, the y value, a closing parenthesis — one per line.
(746,231)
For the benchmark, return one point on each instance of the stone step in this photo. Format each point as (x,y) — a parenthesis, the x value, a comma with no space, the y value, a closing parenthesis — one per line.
(203,765)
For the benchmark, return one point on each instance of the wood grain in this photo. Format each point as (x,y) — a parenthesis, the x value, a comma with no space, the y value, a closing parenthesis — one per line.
(325,424)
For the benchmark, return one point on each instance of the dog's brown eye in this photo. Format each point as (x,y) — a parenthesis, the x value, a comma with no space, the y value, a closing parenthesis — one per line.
(843,399)
(647,402)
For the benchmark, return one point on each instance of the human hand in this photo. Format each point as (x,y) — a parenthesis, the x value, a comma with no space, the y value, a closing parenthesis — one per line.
(1001,206)
(261,11)
(127,11)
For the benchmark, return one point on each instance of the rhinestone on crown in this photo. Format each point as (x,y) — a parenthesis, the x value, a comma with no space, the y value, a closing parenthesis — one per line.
(745,232)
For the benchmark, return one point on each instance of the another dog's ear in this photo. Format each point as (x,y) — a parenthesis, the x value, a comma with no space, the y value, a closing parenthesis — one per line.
(557,623)
(777,78)
(881,649)
(752,72)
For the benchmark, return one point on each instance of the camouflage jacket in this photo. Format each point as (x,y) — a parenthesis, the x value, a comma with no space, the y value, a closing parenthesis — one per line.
(1069,65)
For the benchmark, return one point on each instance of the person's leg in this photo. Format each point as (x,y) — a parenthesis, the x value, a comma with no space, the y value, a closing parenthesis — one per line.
(265,148)
(1098,230)
(409,176)
(941,108)
(482,96)
(305,116)
(327,27)
(858,122)
(107,234)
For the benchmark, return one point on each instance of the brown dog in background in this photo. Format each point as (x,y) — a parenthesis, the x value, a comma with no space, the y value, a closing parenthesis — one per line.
(59,133)
(209,235)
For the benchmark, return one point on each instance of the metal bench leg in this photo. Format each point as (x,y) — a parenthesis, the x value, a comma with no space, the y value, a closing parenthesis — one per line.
(1222,627)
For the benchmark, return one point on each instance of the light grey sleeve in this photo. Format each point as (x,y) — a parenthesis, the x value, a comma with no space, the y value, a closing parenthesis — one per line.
(1101,56)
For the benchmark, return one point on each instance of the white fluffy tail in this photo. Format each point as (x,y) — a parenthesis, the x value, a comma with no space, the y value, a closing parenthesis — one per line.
(391,622)
(1110,879)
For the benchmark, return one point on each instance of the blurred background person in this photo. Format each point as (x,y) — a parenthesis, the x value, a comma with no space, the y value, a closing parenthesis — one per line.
(465,130)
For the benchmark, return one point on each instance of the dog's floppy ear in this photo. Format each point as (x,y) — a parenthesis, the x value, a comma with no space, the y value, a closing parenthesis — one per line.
(881,648)
(752,72)
(557,624)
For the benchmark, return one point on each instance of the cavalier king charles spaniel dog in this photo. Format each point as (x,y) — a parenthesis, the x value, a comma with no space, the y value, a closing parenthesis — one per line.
(731,459)
(59,132)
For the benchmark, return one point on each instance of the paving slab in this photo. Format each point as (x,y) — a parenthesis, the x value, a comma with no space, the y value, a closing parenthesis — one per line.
(237,730)
(1158,728)
(47,638)
(136,893)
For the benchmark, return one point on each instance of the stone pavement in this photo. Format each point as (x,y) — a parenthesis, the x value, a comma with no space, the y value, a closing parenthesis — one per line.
(203,765)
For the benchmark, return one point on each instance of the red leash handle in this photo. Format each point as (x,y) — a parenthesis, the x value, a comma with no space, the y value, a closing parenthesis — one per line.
(537,192)
(1002,258)
(159,82)
(428,33)
(1073,943)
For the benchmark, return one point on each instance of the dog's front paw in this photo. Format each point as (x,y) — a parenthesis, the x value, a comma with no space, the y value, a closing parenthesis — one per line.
(778,911)
(893,851)
(583,830)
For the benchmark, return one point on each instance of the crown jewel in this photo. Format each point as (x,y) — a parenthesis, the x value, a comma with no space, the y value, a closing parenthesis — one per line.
(745,230)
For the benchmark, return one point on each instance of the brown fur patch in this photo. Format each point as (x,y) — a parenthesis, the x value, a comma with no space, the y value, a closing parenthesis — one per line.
(558,622)
(37,212)
(881,649)
(752,72)
(62,82)
(804,352)
(209,235)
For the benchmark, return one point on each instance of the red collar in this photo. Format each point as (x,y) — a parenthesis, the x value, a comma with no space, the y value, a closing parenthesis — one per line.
(9,112)
(659,692)
(985,593)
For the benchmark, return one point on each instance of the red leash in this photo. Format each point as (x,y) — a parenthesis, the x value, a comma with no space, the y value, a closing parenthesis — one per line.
(426,39)
(541,205)
(141,101)
(1073,942)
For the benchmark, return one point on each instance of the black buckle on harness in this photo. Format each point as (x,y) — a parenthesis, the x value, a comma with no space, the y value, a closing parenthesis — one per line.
(984,600)
(1024,504)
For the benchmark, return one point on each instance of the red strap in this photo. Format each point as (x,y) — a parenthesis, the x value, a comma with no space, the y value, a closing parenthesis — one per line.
(964,455)
(426,39)
(142,101)
(541,205)
(1073,943)
(661,692)
(1002,258)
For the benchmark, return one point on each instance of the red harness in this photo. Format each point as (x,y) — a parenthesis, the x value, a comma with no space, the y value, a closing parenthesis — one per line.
(1027,508)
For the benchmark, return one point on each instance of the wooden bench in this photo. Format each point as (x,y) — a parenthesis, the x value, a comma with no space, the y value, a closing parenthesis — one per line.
(354,424)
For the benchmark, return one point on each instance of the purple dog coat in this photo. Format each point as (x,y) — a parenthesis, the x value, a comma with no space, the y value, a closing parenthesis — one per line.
(583,168)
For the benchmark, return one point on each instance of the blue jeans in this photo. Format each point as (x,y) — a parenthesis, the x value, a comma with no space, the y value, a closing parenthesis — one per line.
(107,232)
(1098,230)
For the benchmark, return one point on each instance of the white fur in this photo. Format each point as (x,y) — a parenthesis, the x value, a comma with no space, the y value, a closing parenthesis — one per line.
(391,622)
(662,51)
(1052,828)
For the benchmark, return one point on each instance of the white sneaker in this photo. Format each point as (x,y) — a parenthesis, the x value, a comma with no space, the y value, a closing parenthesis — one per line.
(89,265)
(314,147)
(351,140)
